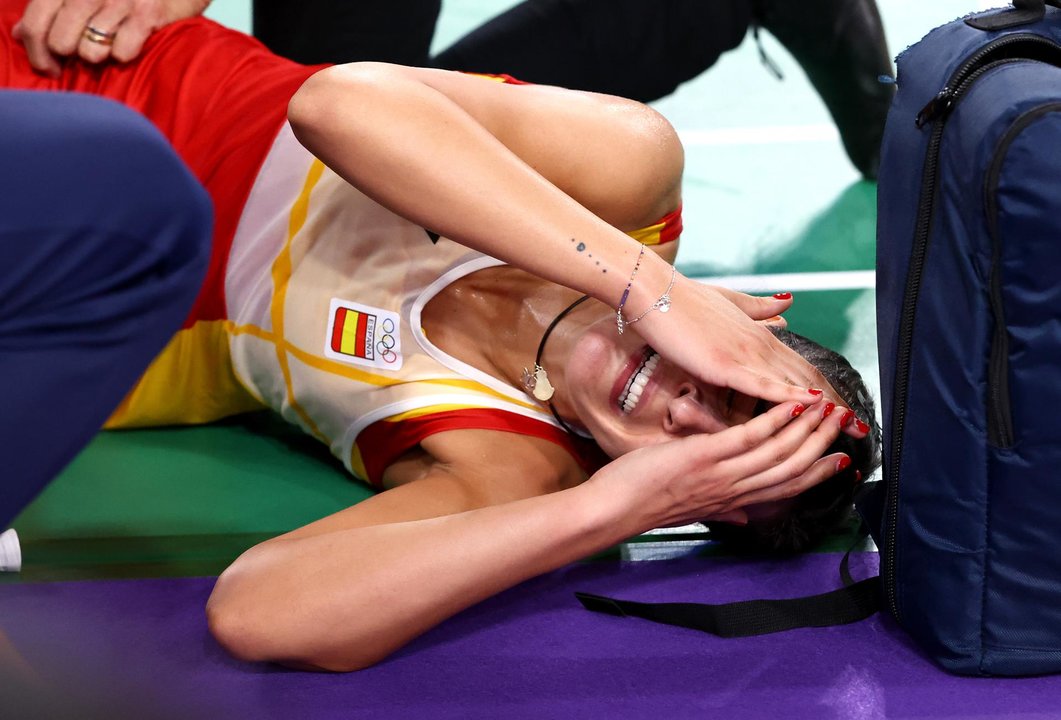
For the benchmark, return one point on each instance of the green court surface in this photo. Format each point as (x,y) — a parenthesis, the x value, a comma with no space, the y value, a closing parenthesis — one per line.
(768,190)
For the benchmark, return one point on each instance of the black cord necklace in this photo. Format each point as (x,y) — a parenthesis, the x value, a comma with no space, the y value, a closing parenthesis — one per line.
(538,370)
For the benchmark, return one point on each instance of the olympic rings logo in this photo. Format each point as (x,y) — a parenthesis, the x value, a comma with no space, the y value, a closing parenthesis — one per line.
(386,343)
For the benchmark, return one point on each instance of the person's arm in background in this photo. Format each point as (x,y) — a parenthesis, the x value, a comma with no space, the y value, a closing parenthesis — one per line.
(56,29)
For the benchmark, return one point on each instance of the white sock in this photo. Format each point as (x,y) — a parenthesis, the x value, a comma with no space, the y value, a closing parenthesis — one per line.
(10,552)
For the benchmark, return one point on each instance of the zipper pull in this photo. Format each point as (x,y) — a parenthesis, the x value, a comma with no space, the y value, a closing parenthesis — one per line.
(938,106)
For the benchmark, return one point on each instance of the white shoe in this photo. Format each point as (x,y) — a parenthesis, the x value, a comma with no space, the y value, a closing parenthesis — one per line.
(10,552)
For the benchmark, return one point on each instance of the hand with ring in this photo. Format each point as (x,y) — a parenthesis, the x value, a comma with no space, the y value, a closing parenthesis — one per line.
(94,30)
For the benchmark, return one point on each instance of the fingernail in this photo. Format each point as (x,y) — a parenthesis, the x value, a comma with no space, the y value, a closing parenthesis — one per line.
(829,407)
(815,391)
(862,427)
(847,418)
(783,296)
(843,463)
(858,476)
(798,410)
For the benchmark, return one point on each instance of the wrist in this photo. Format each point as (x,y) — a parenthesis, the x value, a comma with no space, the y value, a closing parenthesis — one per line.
(647,292)
(618,505)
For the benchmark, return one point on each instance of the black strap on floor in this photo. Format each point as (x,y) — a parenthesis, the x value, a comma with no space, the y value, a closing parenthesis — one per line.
(853,602)
(752,617)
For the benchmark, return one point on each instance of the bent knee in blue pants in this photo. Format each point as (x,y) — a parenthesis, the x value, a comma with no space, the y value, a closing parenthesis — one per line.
(104,241)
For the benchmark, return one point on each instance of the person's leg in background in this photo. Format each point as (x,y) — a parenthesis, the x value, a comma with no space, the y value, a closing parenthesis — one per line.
(104,240)
(644,49)
(340,31)
(640,49)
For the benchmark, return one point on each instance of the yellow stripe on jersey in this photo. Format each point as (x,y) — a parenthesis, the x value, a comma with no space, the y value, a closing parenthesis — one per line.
(191,381)
(649,235)
(338,368)
(281,273)
(432,410)
(484,76)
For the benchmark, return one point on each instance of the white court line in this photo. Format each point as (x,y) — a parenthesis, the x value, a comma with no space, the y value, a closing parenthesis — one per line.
(796,282)
(766,135)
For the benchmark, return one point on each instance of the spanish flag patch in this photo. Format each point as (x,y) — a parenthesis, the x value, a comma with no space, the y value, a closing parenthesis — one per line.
(363,335)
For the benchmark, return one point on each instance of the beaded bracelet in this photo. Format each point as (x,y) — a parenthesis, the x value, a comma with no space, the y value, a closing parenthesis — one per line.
(620,321)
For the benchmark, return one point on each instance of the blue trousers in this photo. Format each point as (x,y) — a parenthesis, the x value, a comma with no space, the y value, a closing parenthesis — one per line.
(104,241)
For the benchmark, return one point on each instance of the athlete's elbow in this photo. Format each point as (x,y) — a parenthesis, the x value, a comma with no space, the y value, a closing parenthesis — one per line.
(255,624)
(337,97)
(245,638)
(235,616)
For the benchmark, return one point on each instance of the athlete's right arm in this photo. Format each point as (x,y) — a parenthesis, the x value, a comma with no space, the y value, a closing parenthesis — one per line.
(542,191)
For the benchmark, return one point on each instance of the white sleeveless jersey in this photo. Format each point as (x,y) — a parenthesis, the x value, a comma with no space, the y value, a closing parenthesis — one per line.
(324,291)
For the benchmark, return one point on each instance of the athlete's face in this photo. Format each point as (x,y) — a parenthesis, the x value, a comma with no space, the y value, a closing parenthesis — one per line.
(628,397)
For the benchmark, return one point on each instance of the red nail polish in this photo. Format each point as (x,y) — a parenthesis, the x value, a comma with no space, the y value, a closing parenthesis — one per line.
(829,407)
(815,391)
(843,463)
(862,427)
(858,476)
(783,296)
(847,418)
(798,410)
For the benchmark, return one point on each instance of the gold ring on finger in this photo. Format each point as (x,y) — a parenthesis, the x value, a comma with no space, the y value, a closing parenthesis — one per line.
(100,37)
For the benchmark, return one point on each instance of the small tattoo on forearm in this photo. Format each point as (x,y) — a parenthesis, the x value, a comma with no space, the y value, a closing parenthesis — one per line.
(581,247)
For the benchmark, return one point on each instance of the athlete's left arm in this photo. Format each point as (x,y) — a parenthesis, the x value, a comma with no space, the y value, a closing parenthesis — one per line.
(348,590)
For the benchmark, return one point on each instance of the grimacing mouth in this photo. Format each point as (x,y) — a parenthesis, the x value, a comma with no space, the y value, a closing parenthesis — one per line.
(631,394)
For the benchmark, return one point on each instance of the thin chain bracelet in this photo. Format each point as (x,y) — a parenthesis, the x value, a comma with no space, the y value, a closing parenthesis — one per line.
(662,304)
(620,321)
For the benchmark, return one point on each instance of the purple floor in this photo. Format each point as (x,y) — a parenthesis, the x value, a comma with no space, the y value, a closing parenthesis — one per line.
(140,648)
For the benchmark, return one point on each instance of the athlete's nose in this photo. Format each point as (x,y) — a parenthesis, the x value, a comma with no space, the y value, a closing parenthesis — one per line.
(688,413)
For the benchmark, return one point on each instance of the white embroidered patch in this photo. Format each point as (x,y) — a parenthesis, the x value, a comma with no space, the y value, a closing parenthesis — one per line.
(363,335)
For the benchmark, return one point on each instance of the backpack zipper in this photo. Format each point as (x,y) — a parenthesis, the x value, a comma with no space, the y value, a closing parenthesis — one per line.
(999,415)
(1010,48)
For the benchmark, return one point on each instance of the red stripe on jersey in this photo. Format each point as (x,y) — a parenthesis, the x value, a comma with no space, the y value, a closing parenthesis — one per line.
(383,442)
(509,80)
(672,226)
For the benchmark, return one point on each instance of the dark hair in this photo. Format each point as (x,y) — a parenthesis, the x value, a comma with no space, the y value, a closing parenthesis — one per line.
(828,506)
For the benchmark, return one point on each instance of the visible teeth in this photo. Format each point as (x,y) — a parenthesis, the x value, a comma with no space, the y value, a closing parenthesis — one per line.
(632,394)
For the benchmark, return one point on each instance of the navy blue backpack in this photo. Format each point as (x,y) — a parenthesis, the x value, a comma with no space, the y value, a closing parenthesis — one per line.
(967,516)
(969,330)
